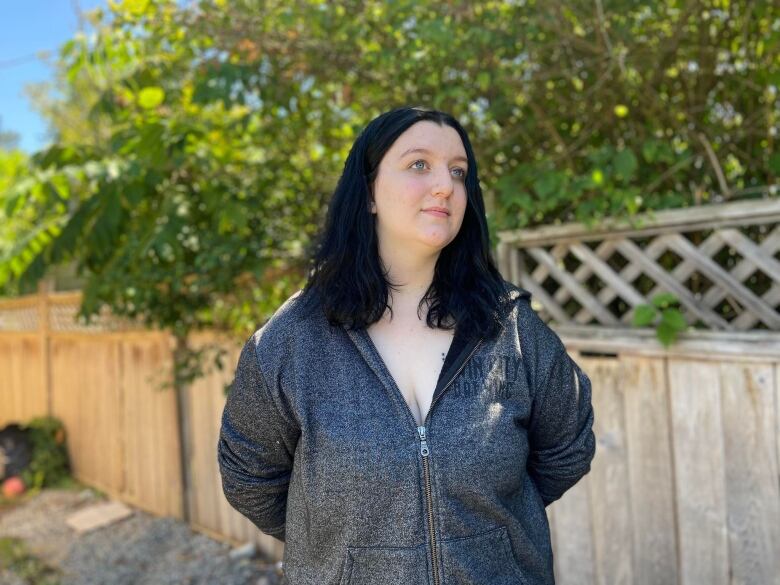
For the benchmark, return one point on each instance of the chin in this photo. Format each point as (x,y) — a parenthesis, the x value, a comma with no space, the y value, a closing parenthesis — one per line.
(437,243)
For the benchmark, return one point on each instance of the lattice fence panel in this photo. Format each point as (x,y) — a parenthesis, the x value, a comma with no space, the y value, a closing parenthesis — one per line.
(58,312)
(721,261)
(19,318)
(63,317)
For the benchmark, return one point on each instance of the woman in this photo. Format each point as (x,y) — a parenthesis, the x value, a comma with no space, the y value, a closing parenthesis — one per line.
(406,417)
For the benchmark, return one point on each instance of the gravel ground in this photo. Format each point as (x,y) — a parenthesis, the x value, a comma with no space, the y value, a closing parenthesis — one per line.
(141,549)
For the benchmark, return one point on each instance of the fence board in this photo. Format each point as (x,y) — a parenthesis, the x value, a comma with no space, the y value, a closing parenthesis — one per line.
(609,493)
(776,371)
(22,392)
(85,398)
(203,405)
(753,496)
(573,537)
(210,510)
(134,418)
(699,472)
(156,467)
(650,470)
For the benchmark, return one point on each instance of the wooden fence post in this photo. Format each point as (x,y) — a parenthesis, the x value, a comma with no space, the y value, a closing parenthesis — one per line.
(45,286)
(185,434)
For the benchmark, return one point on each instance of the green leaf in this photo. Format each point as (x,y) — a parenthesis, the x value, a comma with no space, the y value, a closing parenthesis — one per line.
(666,334)
(232,218)
(113,211)
(151,97)
(649,149)
(643,315)
(547,184)
(134,194)
(149,143)
(65,244)
(33,272)
(626,164)
(665,153)
(59,184)
(774,162)
(104,229)
(14,202)
(664,300)
(675,319)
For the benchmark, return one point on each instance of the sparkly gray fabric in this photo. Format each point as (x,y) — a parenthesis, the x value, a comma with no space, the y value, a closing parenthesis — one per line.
(319,449)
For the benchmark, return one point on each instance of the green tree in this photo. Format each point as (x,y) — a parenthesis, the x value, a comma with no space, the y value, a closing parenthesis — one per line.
(16,227)
(212,134)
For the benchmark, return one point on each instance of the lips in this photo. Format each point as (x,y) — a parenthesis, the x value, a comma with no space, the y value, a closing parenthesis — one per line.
(438,211)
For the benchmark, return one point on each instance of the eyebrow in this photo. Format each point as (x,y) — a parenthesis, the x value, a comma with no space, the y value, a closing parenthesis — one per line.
(426,151)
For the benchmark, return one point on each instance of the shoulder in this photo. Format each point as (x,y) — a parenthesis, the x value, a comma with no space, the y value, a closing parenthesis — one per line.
(518,304)
(515,292)
(294,327)
(535,336)
(285,323)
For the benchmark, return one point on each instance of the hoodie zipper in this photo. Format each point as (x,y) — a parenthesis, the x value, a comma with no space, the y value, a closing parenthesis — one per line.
(429,501)
(425,452)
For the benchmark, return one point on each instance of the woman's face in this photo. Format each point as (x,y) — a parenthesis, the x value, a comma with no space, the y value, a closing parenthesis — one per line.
(425,168)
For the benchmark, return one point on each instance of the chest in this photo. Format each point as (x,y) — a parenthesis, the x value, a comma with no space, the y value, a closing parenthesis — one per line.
(414,356)
(359,440)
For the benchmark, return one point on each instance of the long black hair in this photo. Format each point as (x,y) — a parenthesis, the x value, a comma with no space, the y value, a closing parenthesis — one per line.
(346,274)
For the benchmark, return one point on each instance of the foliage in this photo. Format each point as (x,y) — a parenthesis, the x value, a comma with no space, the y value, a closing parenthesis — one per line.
(15,557)
(49,464)
(17,228)
(222,128)
(664,312)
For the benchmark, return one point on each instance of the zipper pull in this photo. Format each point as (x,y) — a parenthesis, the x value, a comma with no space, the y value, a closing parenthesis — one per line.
(423,445)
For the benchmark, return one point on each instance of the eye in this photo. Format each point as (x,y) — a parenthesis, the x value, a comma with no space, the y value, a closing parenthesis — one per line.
(462,172)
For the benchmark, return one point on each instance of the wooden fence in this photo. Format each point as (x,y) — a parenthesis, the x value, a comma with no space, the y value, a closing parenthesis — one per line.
(124,431)
(684,487)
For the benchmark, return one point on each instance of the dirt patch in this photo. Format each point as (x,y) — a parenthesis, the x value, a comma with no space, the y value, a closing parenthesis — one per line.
(141,549)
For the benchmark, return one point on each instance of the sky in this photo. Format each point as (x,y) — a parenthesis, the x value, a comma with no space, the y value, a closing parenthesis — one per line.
(27,28)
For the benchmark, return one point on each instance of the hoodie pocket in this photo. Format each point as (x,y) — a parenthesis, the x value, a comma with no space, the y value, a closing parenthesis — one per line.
(482,559)
(384,566)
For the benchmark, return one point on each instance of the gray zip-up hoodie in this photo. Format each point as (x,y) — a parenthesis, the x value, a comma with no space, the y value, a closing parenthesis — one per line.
(319,449)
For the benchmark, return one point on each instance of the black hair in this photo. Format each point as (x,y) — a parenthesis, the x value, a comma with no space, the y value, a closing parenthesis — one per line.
(346,274)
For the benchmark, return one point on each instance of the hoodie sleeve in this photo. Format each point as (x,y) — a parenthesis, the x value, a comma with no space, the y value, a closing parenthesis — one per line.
(561,439)
(257,441)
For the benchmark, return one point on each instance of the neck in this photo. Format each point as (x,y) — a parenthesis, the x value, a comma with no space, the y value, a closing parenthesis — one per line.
(411,273)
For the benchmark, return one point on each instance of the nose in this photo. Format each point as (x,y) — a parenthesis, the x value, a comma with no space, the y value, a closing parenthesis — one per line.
(443,183)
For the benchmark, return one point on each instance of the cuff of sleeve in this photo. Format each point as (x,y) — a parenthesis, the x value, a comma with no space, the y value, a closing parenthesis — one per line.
(278,533)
